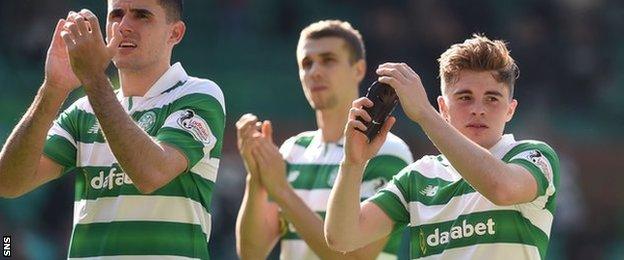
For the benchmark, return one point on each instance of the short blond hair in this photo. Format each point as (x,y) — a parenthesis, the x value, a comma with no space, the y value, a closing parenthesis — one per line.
(478,54)
(339,29)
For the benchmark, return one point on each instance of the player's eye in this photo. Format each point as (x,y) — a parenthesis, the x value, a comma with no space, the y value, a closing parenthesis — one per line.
(492,99)
(328,60)
(141,15)
(116,15)
(306,64)
(463,98)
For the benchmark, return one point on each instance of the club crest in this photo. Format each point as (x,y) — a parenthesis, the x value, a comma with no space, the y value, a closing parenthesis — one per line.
(147,120)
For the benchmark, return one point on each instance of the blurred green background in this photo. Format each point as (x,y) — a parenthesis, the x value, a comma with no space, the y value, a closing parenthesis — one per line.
(570,93)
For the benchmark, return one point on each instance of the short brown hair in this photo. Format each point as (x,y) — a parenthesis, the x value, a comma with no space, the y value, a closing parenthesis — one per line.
(173,8)
(340,29)
(478,54)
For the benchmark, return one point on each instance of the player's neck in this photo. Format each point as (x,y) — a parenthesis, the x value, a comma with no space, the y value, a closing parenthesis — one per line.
(138,82)
(331,122)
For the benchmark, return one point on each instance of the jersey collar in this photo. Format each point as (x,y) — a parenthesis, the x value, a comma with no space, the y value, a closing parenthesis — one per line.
(173,76)
(317,140)
(501,147)
(498,150)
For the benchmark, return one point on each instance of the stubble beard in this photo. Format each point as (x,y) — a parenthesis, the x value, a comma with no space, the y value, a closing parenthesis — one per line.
(325,104)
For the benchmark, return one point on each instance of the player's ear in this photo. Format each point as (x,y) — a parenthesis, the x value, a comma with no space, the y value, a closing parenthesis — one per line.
(360,69)
(511,109)
(443,108)
(177,32)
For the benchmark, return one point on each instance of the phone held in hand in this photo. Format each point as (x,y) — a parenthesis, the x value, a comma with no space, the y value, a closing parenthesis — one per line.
(385,100)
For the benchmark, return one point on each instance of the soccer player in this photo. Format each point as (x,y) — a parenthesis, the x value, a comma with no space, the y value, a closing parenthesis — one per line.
(146,157)
(287,189)
(487,196)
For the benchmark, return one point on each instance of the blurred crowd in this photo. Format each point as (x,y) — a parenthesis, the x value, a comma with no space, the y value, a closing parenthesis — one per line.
(570,92)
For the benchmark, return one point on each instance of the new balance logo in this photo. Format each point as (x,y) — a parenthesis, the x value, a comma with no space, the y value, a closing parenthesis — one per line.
(95,129)
(292,176)
(430,190)
(110,181)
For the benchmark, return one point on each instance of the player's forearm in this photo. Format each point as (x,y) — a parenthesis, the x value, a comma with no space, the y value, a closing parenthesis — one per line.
(476,164)
(308,224)
(257,224)
(138,154)
(21,152)
(343,210)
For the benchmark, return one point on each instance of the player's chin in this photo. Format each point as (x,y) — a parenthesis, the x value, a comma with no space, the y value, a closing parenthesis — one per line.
(476,136)
(122,63)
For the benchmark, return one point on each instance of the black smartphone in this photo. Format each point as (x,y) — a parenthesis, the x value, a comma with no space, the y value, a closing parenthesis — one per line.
(385,100)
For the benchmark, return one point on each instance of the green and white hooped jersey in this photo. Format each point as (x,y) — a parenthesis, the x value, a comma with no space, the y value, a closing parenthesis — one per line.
(312,166)
(112,219)
(448,219)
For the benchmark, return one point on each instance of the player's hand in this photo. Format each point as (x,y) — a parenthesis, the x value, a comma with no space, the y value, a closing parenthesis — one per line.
(271,164)
(89,54)
(58,72)
(246,130)
(357,148)
(408,87)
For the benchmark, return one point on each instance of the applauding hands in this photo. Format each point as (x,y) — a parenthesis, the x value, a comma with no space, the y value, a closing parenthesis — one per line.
(261,156)
(88,53)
